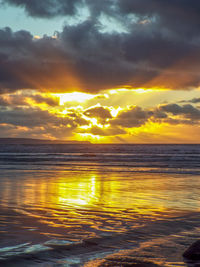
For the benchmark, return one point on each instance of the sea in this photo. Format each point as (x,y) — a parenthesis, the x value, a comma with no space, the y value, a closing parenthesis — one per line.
(98,204)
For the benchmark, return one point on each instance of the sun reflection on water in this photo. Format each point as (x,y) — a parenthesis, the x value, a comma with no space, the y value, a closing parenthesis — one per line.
(85,204)
(89,190)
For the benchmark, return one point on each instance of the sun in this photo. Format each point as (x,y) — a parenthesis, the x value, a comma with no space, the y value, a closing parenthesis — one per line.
(94,139)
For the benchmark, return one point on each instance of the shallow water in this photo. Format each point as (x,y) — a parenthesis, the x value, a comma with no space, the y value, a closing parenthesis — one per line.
(75,216)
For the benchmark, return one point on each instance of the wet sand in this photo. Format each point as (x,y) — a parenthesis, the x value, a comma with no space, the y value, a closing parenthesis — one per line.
(95,219)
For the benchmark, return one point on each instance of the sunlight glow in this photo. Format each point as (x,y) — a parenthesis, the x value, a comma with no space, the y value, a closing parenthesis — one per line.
(136,90)
(114,111)
(93,122)
(142,91)
(74,97)
(90,137)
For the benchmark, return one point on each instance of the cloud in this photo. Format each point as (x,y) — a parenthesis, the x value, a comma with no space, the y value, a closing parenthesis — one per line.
(193,100)
(18,118)
(187,111)
(98,112)
(172,114)
(20,99)
(29,121)
(133,117)
(180,16)
(111,131)
(27,63)
(46,8)
(159,48)
(30,117)
(50,101)
(172,121)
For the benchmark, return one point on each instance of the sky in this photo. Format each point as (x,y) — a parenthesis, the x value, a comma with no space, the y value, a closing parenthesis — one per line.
(104,71)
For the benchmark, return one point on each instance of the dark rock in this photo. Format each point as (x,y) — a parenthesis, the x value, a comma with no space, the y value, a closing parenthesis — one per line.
(193,252)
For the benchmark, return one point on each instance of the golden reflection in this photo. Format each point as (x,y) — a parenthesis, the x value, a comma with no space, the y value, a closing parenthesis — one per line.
(92,191)
(77,203)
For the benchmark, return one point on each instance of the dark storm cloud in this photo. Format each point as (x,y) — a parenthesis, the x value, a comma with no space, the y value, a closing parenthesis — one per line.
(55,8)
(180,16)
(46,8)
(170,12)
(160,48)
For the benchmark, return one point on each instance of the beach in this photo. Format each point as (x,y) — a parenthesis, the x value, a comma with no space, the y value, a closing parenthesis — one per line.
(98,205)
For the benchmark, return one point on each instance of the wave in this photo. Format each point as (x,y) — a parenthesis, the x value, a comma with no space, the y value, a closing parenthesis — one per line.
(140,158)
(85,250)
